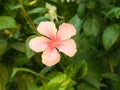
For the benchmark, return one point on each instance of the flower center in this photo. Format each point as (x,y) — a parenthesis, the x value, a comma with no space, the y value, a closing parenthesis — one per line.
(54,43)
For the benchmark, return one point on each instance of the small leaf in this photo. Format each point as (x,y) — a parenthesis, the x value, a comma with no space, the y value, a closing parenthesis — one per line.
(3,77)
(38,10)
(45,70)
(111,76)
(110,36)
(3,46)
(16,7)
(93,81)
(76,22)
(82,69)
(16,70)
(18,46)
(29,52)
(81,10)
(21,59)
(85,86)
(39,19)
(7,22)
(114,12)
(91,4)
(53,74)
(91,27)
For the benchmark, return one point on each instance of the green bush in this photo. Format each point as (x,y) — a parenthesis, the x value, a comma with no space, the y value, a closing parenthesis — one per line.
(96,63)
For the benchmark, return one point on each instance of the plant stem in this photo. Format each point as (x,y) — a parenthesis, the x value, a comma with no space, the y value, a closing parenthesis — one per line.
(27,18)
(111,66)
(41,77)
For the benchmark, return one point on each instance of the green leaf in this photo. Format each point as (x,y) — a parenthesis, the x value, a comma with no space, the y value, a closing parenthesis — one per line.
(37,10)
(39,19)
(111,76)
(82,69)
(18,46)
(53,74)
(114,12)
(16,7)
(77,70)
(3,77)
(91,26)
(81,10)
(21,59)
(56,82)
(85,86)
(34,87)
(16,70)
(45,70)
(110,36)
(7,22)
(91,4)
(93,81)
(28,51)
(25,81)
(60,82)
(3,46)
(85,43)
(115,57)
(76,22)
(104,4)
(115,85)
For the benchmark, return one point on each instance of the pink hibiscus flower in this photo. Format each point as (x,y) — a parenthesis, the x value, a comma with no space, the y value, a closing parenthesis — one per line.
(52,42)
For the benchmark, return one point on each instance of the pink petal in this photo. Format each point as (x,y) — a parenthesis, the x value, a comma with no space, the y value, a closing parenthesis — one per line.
(68,47)
(48,29)
(66,31)
(38,44)
(50,57)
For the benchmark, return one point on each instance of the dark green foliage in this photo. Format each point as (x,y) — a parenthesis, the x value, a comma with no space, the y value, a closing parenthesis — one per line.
(96,65)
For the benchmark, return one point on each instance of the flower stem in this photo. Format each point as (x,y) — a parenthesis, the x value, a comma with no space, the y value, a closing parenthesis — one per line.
(111,66)
(26,16)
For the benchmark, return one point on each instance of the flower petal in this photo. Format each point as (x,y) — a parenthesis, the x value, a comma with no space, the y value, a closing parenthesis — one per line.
(68,47)
(38,44)
(66,31)
(50,57)
(48,29)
